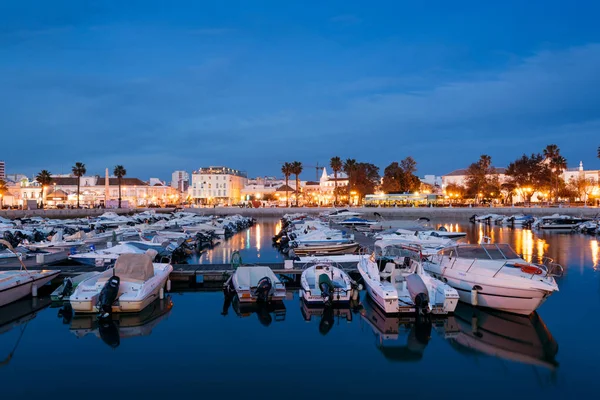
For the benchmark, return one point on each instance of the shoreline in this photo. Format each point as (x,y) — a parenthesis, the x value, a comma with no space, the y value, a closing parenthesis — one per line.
(368,212)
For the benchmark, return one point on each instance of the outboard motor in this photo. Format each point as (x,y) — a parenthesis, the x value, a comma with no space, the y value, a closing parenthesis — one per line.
(418,293)
(108,295)
(67,289)
(263,289)
(263,315)
(326,287)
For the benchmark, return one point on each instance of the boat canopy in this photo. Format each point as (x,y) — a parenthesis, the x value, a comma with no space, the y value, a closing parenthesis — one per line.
(485,251)
(249,276)
(134,266)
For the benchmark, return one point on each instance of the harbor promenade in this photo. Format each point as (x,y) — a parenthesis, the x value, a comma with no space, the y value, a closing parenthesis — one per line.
(368,212)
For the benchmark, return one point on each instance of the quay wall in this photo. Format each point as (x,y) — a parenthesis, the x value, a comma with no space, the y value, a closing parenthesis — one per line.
(368,212)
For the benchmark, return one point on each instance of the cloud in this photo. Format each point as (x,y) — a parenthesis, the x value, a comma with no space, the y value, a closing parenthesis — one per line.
(226,110)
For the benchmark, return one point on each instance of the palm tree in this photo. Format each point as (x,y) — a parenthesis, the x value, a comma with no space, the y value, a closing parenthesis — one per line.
(551,153)
(558,164)
(78,170)
(119,172)
(44,178)
(286,168)
(336,165)
(297,170)
(349,167)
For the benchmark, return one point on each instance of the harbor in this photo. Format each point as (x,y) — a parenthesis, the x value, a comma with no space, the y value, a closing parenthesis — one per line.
(541,352)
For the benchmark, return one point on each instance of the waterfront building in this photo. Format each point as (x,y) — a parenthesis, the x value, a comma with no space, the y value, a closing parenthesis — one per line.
(63,192)
(217,185)
(180,180)
(2,170)
(327,185)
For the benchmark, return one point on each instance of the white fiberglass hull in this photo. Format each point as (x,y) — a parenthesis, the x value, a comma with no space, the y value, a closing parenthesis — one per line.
(85,298)
(514,300)
(15,290)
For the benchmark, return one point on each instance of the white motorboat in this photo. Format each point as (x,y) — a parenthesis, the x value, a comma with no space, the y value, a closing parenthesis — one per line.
(255,283)
(339,258)
(558,222)
(64,291)
(427,242)
(321,249)
(324,283)
(16,284)
(402,286)
(494,276)
(130,286)
(105,257)
(204,228)
(357,222)
(339,215)
(56,242)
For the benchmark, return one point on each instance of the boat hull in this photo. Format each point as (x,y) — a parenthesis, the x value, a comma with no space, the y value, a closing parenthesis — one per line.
(512,300)
(24,289)
(327,249)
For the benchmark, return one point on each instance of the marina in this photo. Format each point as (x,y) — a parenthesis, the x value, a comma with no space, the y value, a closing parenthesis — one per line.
(540,353)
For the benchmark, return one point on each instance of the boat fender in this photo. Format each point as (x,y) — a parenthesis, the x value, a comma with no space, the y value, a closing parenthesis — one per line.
(474,293)
(108,295)
(263,289)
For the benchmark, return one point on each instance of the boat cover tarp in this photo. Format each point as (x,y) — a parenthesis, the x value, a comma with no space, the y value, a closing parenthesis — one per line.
(134,266)
(124,249)
(249,276)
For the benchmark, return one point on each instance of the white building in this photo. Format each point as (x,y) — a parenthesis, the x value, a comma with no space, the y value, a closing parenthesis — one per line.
(180,180)
(217,185)
(2,170)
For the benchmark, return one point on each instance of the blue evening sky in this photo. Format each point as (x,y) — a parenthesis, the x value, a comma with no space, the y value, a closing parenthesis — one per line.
(164,85)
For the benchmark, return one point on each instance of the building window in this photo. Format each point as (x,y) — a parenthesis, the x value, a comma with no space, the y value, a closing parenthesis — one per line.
(219,193)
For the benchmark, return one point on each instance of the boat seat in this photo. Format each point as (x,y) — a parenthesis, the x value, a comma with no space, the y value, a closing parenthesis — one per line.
(388,270)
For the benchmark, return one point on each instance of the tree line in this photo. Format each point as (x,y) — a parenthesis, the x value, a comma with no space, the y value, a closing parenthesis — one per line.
(537,173)
(363,177)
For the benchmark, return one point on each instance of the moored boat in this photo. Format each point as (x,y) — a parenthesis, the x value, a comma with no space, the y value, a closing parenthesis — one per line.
(494,276)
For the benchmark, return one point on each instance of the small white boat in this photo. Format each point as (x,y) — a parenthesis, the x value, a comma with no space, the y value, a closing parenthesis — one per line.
(105,257)
(64,291)
(325,284)
(338,215)
(15,285)
(57,242)
(558,222)
(320,249)
(255,283)
(130,286)
(494,276)
(402,286)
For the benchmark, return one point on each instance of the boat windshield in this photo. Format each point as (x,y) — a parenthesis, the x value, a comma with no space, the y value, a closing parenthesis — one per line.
(394,251)
(488,251)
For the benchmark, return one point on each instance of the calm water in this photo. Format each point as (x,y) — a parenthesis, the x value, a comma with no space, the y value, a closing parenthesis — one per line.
(195,345)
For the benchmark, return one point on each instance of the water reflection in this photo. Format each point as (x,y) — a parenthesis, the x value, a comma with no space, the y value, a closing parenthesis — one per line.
(595,252)
(505,336)
(266,313)
(327,317)
(399,339)
(14,318)
(122,325)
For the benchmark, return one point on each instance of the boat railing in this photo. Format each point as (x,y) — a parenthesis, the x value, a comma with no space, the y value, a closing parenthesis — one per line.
(499,269)
(552,268)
